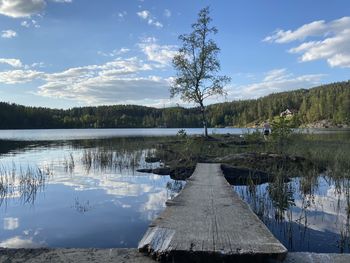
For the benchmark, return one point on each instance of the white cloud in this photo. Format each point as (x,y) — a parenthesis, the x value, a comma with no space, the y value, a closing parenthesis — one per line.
(24,8)
(122,15)
(155,23)
(315,28)
(19,76)
(163,54)
(25,24)
(37,65)
(167,13)
(115,52)
(339,60)
(115,81)
(107,88)
(276,75)
(8,33)
(16,63)
(144,14)
(335,50)
(151,20)
(21,8)
(30,23)
(277,80)
(62,1)
(118,80)
(330,41)
(35,23)
(123,50)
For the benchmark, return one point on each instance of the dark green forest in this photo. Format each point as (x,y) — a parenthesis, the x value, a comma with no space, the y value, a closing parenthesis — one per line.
(327,102)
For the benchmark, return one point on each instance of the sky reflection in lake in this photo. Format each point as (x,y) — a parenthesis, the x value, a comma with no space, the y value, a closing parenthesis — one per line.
(316,220)
(103,206)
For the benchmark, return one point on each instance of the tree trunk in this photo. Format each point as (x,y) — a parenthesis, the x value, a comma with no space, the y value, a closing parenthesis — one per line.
(204,119)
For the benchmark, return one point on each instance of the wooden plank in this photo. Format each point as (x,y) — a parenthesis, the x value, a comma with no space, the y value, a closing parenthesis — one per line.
(208,222)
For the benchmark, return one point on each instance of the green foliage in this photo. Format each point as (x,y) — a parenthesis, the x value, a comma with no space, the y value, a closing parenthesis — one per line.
(197,65)
(330,102)
(281,195)
(253,137)
(181,133)
(281,130)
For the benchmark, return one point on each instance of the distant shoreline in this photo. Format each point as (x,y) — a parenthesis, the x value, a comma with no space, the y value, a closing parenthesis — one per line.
(304,126)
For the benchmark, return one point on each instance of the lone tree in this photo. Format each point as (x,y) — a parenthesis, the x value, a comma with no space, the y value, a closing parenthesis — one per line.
(197,66)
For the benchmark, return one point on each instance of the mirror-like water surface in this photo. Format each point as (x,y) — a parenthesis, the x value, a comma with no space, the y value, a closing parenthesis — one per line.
(58,191)
(81,194)
(82,134)
(304,216)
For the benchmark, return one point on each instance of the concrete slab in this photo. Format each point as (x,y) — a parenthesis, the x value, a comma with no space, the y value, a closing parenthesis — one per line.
(306,257)
(208,222)
(72,255)
(121,255)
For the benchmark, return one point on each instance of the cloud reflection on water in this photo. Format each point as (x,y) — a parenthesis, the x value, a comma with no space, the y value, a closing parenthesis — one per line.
(104,206)
(11,223)
(307,219)
(19,242)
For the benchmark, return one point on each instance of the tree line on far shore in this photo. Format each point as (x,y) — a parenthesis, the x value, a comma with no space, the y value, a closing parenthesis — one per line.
(328,102)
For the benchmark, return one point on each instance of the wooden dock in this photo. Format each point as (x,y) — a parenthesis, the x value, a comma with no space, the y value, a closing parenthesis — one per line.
(208,222)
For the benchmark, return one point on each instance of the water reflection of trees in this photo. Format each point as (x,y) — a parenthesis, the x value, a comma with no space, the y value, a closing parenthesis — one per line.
(81,206)
(303,210)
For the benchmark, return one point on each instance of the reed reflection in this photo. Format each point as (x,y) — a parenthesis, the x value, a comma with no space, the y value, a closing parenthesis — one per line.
(308,213)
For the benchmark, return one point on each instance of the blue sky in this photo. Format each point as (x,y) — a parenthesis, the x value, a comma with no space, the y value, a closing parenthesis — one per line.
(67,53)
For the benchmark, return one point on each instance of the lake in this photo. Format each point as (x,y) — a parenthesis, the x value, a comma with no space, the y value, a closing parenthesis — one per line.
(315,219)
(79,134)
(80,188)
(79,193)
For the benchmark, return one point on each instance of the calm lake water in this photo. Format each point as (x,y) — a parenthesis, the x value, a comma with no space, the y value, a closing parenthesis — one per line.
(80,188)
(83,134)
(314,220)
(76,134)
(86,193)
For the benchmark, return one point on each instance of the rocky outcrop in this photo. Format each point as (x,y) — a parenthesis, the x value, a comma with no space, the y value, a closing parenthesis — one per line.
(176,173)
(325,124)
(266,162)
(245,176)
(159,170)
(152,159)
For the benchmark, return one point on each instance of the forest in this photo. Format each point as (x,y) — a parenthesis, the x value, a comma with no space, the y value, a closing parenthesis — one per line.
(327,102)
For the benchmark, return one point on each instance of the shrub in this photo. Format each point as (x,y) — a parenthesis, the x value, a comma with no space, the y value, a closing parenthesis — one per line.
(182,133)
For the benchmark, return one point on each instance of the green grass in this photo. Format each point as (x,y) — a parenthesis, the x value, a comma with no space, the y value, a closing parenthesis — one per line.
(329,152)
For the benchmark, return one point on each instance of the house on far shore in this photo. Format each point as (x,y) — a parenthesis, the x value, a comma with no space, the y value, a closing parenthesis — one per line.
(288,113)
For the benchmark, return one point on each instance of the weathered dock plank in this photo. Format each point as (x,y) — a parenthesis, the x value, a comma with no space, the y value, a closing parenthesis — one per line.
(208,222)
